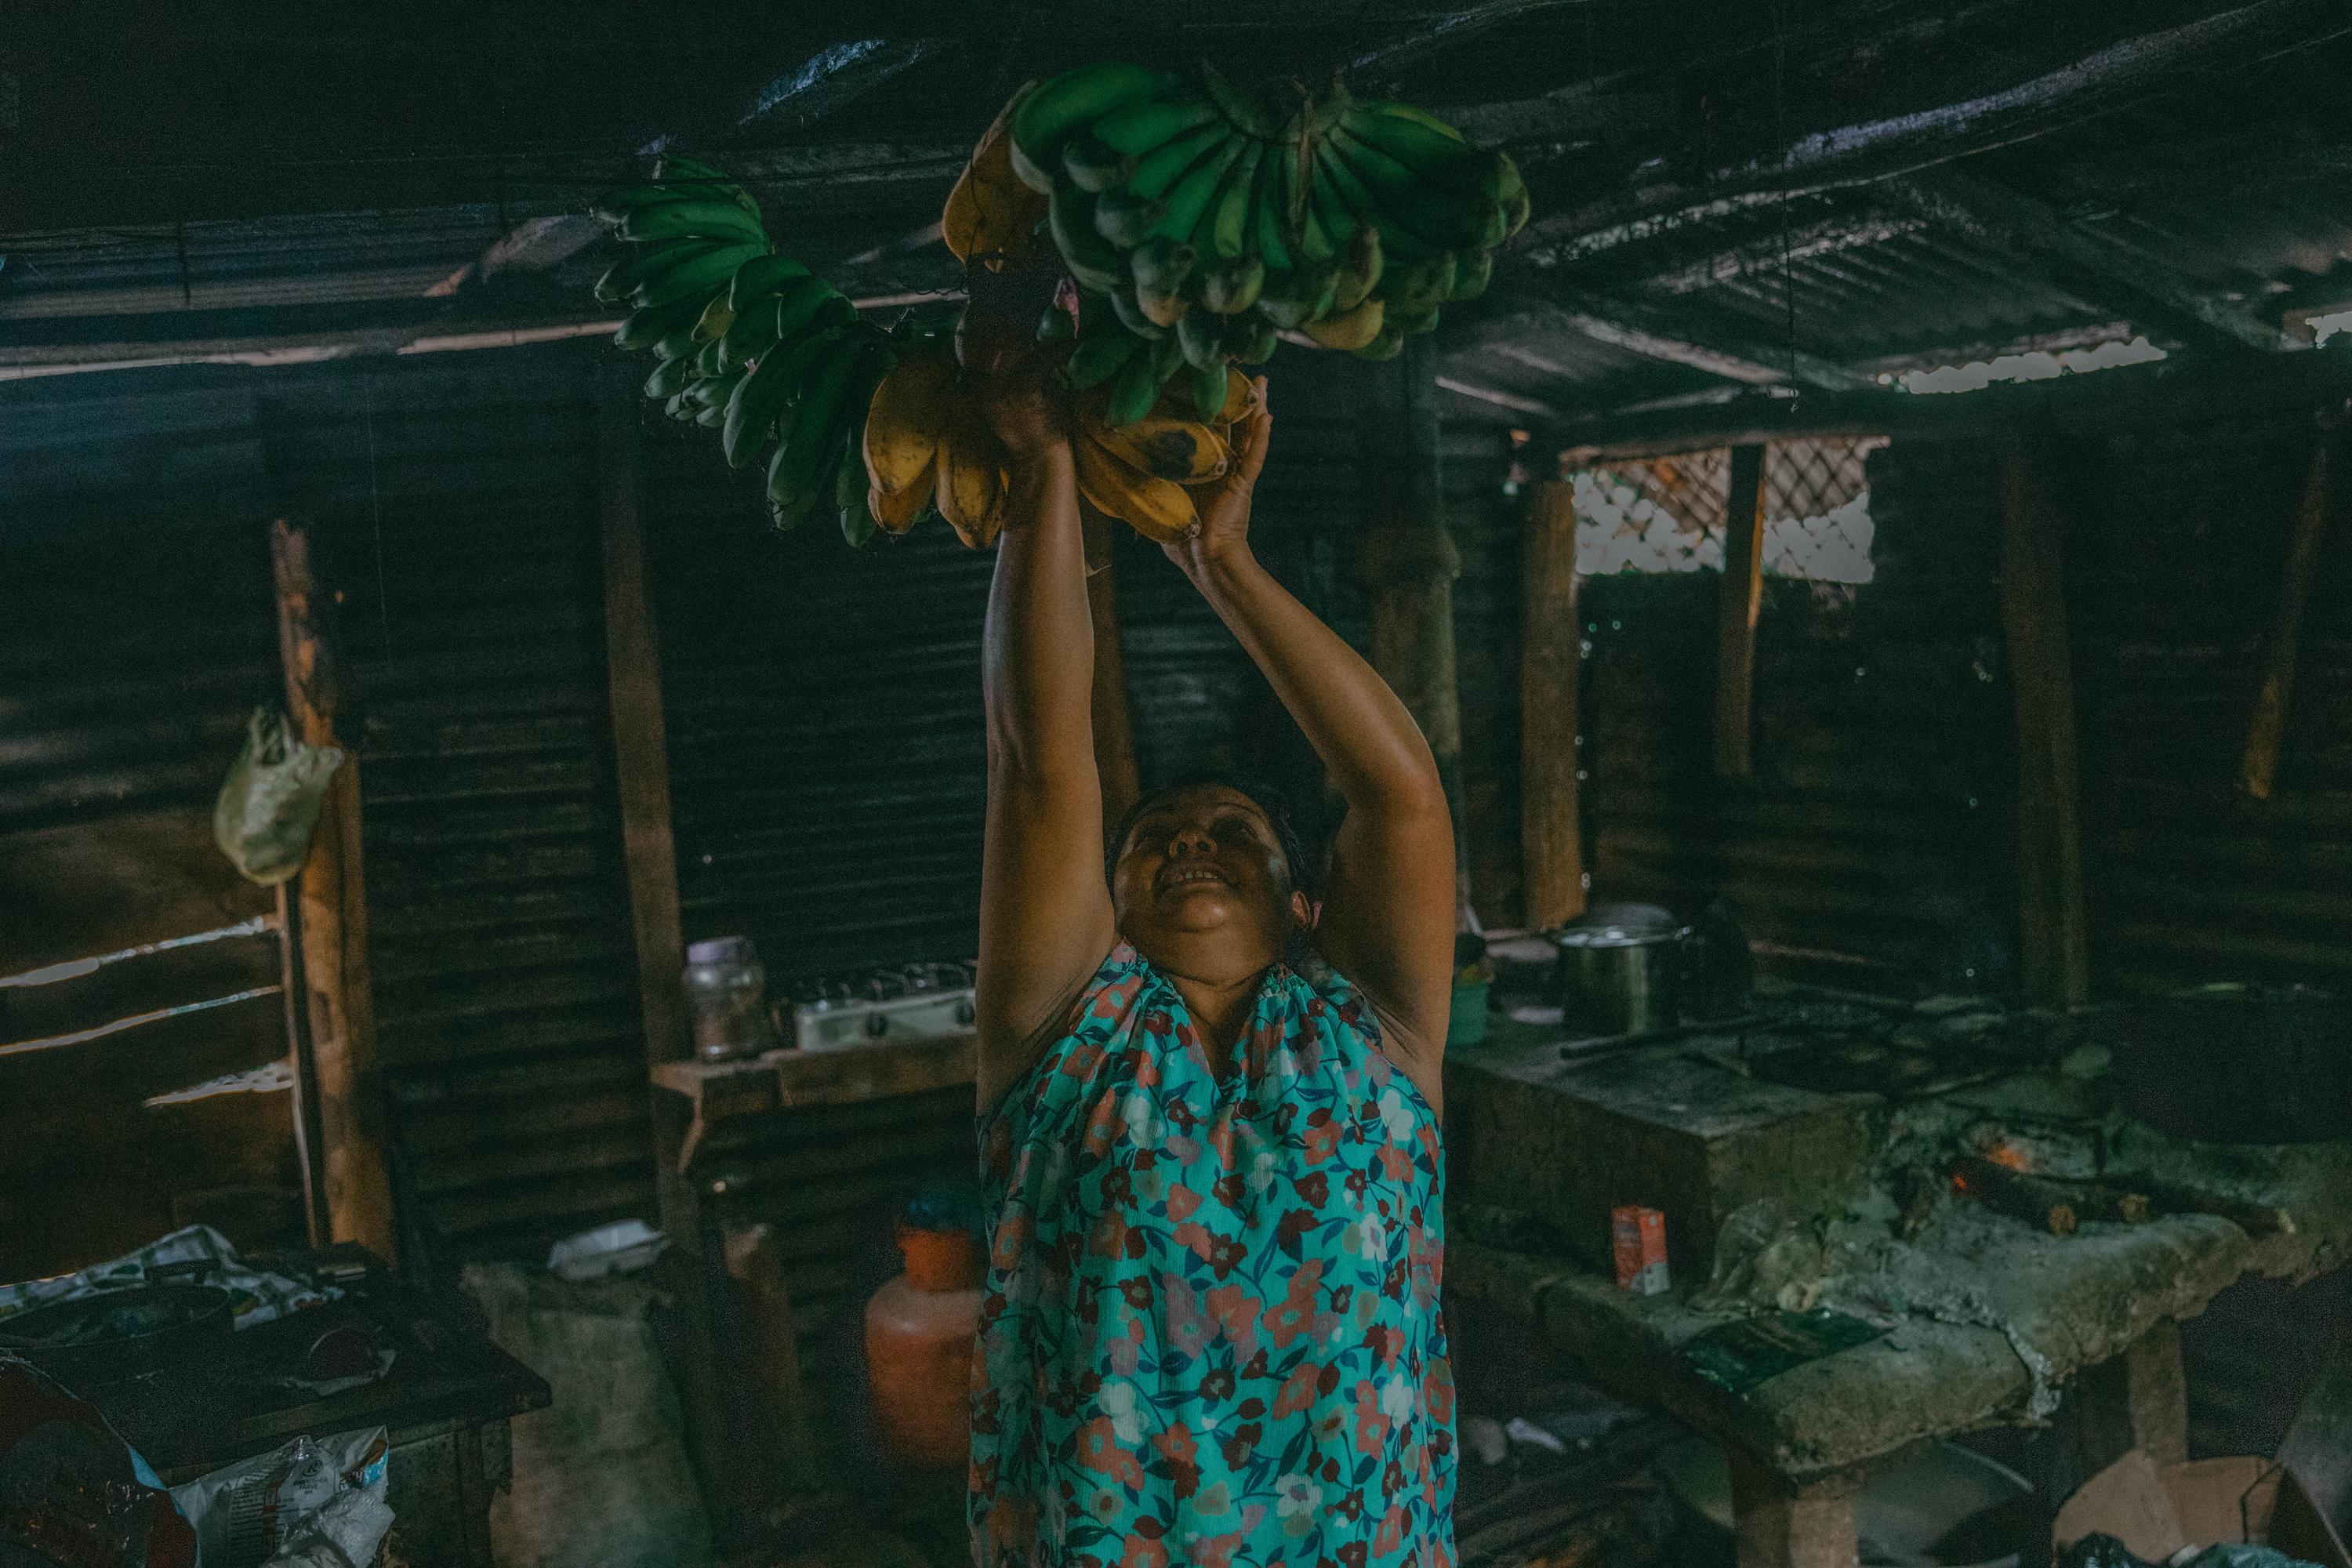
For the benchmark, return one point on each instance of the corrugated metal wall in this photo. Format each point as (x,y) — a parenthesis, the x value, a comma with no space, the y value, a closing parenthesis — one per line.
(1872,845)
(2176,565)
(136,632)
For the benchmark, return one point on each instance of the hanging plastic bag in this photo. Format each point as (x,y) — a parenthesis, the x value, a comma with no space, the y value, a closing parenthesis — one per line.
(269,803)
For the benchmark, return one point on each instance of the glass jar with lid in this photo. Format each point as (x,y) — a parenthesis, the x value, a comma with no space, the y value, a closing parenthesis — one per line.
(726,993)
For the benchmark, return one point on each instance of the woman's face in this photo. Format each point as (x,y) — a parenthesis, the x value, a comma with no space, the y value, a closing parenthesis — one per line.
(1201,879)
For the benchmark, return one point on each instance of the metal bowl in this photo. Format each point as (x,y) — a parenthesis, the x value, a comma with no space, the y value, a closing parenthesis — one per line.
(1934,1499)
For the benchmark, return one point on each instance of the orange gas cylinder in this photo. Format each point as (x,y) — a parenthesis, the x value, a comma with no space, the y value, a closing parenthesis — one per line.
(919,1330)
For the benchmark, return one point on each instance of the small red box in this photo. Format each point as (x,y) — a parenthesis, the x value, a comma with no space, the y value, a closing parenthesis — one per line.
(1641,1245)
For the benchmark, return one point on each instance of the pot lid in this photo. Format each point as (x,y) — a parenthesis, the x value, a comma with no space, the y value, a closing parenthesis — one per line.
(1621,925)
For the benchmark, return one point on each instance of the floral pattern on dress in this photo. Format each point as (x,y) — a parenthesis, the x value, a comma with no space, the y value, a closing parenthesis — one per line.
(1211,1331)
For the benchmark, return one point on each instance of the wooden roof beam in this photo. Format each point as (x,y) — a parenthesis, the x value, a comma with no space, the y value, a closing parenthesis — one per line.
(2139,285)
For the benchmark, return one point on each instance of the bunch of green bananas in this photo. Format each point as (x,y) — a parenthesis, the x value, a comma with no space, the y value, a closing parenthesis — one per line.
(750,340)
(1210,224)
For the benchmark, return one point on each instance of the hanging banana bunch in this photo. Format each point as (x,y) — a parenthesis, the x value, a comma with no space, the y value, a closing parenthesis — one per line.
(1196,223)
(1208,224)
(751,342)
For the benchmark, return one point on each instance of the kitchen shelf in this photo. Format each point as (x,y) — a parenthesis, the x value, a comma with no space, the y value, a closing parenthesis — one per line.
(790,1076)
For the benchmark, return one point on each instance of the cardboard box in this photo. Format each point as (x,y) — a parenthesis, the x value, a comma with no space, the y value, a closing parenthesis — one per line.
(1639,1238)
(2157,1510)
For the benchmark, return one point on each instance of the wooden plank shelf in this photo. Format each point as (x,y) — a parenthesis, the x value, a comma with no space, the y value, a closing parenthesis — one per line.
(789,1077)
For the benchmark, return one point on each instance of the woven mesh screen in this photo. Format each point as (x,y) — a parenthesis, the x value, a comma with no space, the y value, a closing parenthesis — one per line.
(1667,514)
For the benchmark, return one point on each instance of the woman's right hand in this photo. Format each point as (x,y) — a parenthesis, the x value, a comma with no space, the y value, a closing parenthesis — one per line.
(1019,380)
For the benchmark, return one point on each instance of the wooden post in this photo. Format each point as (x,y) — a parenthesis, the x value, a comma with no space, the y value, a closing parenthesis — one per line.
(329,906)
(755,1266)
(1778,1528)
(2042,683)
(649,856)
(1743,586)
(1551,834)
(2258,771)
(1408,568)
(1114,730)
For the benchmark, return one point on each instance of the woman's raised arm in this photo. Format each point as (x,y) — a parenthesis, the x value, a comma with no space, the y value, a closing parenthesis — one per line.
(1388,915)
(1045,917)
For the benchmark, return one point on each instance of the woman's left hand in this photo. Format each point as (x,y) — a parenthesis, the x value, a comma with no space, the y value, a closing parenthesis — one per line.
(1225,507)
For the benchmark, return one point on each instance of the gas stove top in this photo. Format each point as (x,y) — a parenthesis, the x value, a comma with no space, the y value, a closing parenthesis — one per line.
(909,1002)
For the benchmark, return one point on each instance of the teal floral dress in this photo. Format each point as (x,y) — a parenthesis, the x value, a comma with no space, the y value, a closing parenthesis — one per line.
(1211,1331)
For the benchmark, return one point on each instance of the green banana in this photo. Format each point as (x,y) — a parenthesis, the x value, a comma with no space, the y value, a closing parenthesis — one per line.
(1421,286)
(680,344)
(1254,340)
(798,309)
(1387,344)
(1442,215)
(1403,239)
(812,428)
(1102,351)
(676,407)
(752,335)
(1132,314)
(698,274)
(1167,359)
(1230,290)
(1188,201)
(1413,324)
(705,361)
(1076,97)
(1446,162)
(1407,112)
(621,279)
(1055,326)
(1162,265)
(857,525)
(1286,298)
(1140,129)
(1329,211)
(668,379)
(1209,390)
(1161,309)
(713,216)
(1093,260)
(713,324)
(1093,167)
(1157,172)
(758,399)
(684,171)
(1229,221)
(649,324)
(713,417)
(1366,262)
(1124,218)
(1200,336)
(1132,391)
(619,203)
(762,275)
(1271,210)
(1471,275)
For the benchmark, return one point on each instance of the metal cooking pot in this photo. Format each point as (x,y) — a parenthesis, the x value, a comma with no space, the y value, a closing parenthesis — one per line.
(86,1342)
(1619,970)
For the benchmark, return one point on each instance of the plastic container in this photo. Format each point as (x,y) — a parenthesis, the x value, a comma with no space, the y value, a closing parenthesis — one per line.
(919,1332)
(727,993)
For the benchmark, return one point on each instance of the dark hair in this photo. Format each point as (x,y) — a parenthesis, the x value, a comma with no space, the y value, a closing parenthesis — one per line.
(1258,793)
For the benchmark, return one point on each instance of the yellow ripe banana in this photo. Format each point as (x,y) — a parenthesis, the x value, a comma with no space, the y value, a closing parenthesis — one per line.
(915,401)
(1166,448)
(990,213)
(895,510)
(1241,397)
(971,487)
(1350,329)
(1176,401)
(1159,509)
